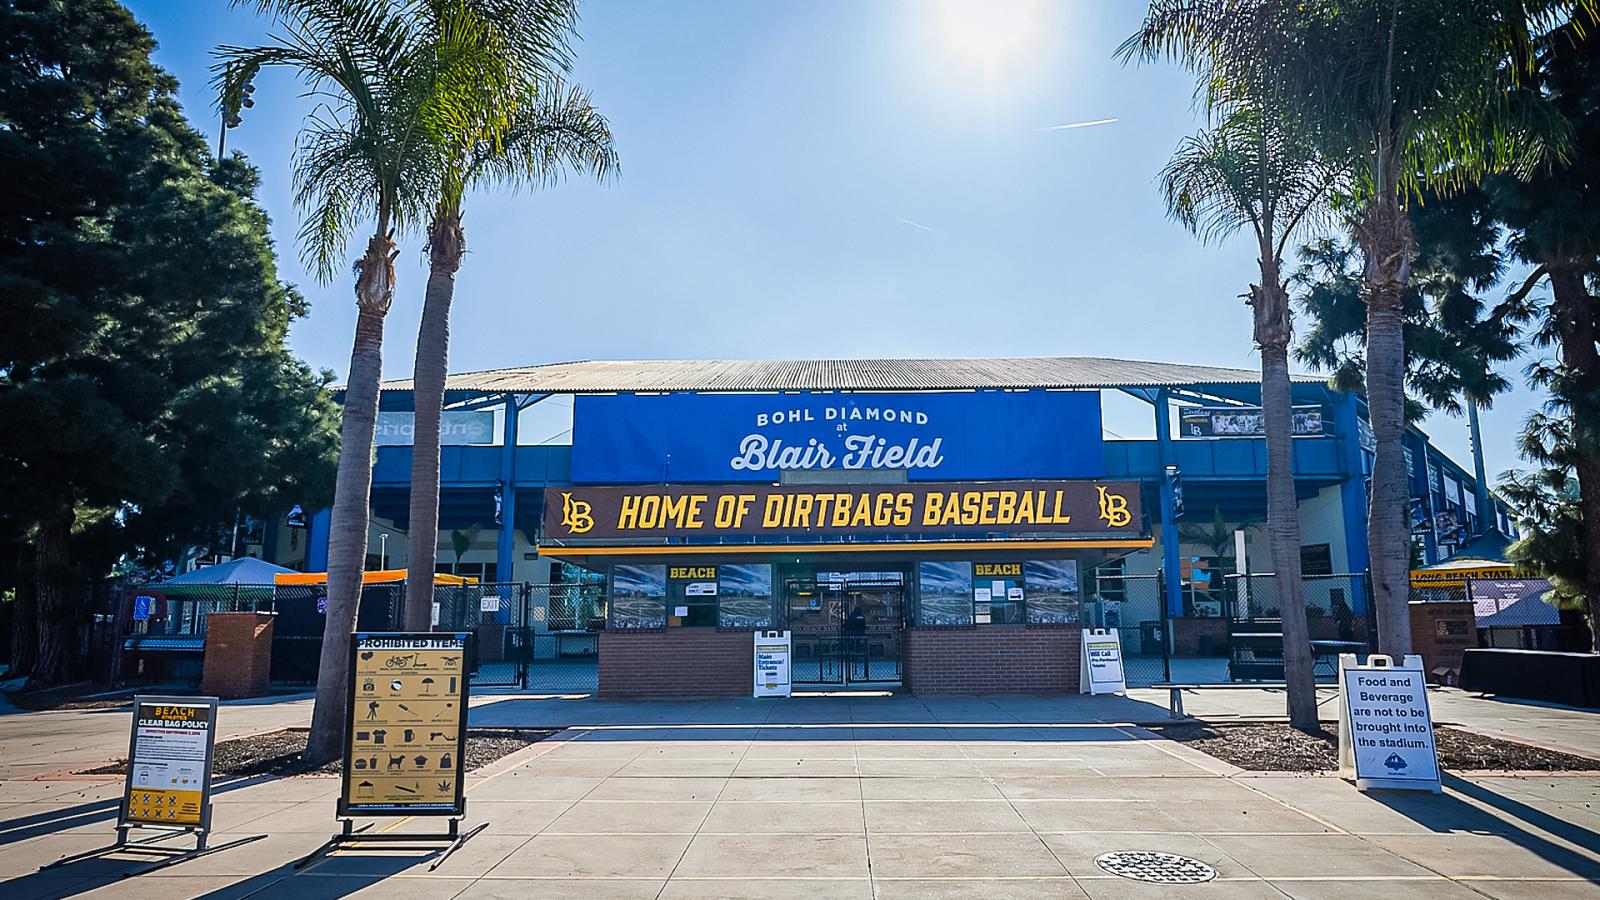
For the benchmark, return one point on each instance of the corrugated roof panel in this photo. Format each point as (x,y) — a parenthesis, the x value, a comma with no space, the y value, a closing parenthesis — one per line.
(649,375)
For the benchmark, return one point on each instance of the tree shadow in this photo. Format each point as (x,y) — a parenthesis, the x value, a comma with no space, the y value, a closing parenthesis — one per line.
(1446,813)
(92,812)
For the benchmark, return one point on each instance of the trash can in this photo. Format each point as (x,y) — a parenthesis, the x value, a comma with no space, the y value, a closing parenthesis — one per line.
(1150,638)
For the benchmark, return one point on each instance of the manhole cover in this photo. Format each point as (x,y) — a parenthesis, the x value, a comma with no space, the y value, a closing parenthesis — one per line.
(1155,867)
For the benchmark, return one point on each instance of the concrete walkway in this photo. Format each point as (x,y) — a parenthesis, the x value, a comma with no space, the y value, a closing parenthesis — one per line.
(965,797)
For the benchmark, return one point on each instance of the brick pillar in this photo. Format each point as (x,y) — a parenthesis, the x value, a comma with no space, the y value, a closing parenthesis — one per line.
(1442,632)
(238,654)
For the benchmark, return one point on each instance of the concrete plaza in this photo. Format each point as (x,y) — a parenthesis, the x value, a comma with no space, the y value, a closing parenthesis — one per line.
(840,797)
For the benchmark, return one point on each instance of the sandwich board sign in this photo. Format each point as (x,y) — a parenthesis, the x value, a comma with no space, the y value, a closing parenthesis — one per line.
(1102,662)
(405,735)
(1385,726)
(772,664)
(171,746)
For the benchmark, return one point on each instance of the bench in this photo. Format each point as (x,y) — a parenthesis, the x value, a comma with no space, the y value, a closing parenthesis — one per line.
(1175,691)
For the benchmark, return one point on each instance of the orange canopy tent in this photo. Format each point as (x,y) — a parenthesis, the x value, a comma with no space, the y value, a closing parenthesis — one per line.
(381,576)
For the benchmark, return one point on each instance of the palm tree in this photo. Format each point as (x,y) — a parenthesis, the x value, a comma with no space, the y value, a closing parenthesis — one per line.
(1408,95)
(1253,170)
(387,80)
(551,128)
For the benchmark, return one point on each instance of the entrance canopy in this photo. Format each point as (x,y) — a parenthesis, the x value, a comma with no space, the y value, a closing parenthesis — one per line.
(1458,571)
(380,576)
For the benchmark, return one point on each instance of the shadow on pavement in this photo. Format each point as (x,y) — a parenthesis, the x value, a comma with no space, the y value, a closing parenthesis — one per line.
(24,827)
(1447,813)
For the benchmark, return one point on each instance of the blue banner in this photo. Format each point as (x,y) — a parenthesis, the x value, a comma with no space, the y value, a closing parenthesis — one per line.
(714,438)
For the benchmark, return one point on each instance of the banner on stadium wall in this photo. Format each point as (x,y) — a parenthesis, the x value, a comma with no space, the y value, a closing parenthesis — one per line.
(1242,421)
(966,435)
(1096,508)
(456,427)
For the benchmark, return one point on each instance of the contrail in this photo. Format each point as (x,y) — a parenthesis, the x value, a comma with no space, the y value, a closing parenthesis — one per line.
(1090,124)
(917,225)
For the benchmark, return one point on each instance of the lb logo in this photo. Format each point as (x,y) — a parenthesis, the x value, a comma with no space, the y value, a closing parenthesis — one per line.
(576,515)
(1113,508)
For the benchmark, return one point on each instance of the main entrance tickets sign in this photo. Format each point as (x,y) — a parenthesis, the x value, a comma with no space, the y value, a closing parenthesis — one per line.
(408,720)
(1094,508)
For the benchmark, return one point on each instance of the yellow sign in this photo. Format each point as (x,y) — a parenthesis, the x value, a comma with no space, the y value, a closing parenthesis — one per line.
(1113,508)
(1002,570)
(575,514)
(169,764)
(407,724)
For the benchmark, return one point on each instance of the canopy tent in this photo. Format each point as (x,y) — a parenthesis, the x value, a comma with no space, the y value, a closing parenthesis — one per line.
(245,578)
(380,576)
(245,570)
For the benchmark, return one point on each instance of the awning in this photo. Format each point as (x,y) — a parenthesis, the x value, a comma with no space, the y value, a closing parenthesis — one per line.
(1457,572)
(381,576)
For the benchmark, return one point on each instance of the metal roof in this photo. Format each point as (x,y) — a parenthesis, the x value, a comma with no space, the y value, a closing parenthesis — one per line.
(660,375)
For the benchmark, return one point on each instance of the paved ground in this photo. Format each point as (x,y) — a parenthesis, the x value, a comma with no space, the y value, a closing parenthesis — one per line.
(844,797)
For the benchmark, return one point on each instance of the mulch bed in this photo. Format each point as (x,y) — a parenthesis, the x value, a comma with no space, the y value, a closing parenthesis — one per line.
(1275,747)
(280,753)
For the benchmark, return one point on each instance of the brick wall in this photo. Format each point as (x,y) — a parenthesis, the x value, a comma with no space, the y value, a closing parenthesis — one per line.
(1199,636)
(679,662)
(992,660)
(238,655)
(1442,632)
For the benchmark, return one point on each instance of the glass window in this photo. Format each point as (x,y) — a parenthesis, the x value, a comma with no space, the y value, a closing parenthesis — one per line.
(638,597)
(744,596)
(997,597)
(944,593)
(691,596)
(1052,591)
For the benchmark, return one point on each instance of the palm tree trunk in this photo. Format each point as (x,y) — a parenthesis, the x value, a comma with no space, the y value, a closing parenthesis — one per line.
(1386,243)
(1573,311)
(347,530)
(446,244)
(25,617)
(1270,303)
(55,596)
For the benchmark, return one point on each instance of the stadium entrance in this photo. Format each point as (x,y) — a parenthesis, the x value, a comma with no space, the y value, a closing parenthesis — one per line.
(846,626)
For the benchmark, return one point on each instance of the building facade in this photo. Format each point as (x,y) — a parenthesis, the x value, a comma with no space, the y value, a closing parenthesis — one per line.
(942,525)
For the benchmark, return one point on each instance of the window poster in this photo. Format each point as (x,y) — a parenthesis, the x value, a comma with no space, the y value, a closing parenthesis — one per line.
(638,597)
(1053,597)
(745,596)
(946,594)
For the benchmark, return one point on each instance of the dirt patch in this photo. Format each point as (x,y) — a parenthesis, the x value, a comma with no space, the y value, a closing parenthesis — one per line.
(281,753)
(1275,747)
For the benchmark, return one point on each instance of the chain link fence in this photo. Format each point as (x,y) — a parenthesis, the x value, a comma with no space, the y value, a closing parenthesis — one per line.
(543,637)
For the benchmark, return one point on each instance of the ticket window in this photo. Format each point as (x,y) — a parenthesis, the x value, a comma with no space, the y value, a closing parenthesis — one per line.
(691,596)
(997,595)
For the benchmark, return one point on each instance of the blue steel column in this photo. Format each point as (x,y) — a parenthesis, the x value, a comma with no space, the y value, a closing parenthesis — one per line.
(505,548)
(1169,525)
(317,540)
(1353,492)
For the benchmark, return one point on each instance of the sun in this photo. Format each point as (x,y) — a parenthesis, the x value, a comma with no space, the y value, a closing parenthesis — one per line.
(990,32)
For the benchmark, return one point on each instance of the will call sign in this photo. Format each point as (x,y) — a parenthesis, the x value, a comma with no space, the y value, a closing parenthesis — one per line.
(1109,508)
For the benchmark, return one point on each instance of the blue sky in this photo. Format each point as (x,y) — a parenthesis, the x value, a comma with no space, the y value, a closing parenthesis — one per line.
(818,179)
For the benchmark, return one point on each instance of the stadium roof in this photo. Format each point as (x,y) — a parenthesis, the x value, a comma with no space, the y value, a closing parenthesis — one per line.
(660,375)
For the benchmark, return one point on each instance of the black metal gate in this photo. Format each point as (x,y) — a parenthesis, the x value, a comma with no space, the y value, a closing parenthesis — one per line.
(561,637)
(846,627)
(493,612)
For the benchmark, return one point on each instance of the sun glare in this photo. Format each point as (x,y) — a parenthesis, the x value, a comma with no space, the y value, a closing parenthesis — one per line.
(990,31)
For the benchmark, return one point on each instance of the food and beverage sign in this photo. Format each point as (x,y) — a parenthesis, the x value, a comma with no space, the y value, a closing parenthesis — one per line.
(1098,508)
(1387,725)
(956,435)
(408,724)
(169,762)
